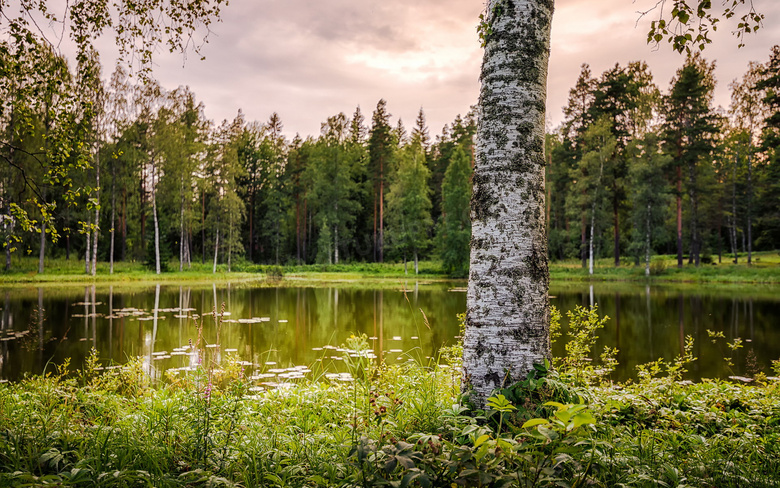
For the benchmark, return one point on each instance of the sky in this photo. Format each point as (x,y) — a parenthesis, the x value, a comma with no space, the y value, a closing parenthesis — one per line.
(311,59)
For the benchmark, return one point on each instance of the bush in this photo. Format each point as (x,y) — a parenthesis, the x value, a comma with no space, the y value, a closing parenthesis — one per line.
(657,266)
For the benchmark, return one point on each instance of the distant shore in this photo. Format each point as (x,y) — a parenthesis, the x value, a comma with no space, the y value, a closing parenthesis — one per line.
(765,269)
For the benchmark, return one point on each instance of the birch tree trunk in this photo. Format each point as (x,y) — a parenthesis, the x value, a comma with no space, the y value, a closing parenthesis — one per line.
(42,253)
(88,252)
(507,318)
(181,225)
(113,221)
(647,239)
(216,251)
(97,212)
(156,229)
(750,209)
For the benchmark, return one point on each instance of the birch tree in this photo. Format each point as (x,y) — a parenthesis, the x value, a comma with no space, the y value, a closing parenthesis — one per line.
(507,318)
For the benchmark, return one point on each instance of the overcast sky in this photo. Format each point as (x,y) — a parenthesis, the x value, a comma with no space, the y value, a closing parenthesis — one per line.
(310,59)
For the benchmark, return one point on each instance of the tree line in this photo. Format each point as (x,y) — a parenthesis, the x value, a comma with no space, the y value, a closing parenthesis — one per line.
(151,179)
(147,177)
(633,170)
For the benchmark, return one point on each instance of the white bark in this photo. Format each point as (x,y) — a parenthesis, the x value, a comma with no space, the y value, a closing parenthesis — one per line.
(647,240)
(88,252)
(113,225)
(97,214)
(590,240)
(507,322)
(43,247)
(156,232)
(181,226)
(216,250)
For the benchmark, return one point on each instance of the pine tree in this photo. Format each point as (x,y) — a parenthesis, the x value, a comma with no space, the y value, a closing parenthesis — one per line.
(381,149)
(768,198)
(689,130)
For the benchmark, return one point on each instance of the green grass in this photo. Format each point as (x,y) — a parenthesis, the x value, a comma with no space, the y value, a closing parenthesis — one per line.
(765,269)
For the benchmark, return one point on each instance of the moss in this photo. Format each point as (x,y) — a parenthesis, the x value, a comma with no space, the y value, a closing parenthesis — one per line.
(483,199)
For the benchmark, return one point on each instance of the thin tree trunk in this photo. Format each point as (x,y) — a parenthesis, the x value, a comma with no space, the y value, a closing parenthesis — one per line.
(693,195)
(507,317)
(416,263)
(251,224)
(88,251)
(679,214)
(216,250)
(617,231)
(590,241)
(733,219)
(124,225)
(230,239)
(113,221)
(43,248)
(203,227)
(182,236)
(584,240)
(381,211)
(336,235)
(750,211)
(8,245)
(96,230)
(336,244)
(376,246)
(156,230)
(647,240)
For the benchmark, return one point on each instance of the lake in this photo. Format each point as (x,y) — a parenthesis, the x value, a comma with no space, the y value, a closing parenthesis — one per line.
(274,328)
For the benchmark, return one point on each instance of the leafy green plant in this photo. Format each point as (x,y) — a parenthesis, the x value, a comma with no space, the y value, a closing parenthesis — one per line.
(577,365)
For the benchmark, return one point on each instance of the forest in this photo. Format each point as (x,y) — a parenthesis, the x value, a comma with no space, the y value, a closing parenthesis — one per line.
(115,170)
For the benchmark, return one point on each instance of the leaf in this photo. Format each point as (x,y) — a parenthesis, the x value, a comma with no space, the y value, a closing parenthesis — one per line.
(481,439)
(534,423)
(583,418)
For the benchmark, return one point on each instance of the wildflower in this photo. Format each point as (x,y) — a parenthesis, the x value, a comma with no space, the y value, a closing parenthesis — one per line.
(207,392)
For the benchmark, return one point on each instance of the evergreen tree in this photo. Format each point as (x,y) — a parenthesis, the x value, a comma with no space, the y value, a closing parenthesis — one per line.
(381,149)
(649,194)
(275,195)
(454,230)
(409,205)
(334,188)
(690,127)
(768,198)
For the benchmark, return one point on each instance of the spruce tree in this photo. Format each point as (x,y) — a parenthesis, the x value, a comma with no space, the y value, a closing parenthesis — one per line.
(454,230)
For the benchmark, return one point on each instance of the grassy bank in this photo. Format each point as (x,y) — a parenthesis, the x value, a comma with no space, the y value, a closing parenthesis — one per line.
(379,425)
(765,269)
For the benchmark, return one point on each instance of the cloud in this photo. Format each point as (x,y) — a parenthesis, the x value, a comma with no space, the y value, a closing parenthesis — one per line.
(308,60)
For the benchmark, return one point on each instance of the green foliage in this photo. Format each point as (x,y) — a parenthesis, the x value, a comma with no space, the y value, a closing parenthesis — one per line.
(455,226)
(409,204)
(577,366)
(687,26)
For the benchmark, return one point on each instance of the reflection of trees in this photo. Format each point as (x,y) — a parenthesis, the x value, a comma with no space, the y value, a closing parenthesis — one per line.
(650,322)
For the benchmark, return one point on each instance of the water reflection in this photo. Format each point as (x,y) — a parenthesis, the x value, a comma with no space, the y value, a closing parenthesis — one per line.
(284,327)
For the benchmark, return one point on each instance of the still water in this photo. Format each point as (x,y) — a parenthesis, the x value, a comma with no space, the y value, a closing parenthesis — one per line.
(287,326)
